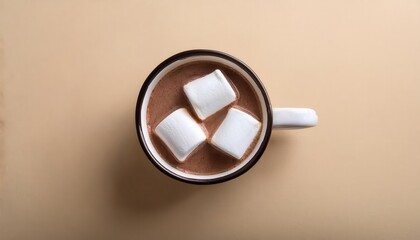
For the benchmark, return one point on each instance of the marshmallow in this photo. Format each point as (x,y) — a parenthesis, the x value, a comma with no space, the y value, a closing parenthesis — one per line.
(209,94)
(181,133)
(236,133)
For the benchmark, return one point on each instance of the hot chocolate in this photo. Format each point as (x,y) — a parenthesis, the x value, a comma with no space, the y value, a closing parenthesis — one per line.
(168,96)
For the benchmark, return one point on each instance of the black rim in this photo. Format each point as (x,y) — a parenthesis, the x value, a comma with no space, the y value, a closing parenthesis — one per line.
(203,52)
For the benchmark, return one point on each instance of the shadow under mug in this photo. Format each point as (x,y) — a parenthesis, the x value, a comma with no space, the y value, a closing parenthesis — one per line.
(280,118)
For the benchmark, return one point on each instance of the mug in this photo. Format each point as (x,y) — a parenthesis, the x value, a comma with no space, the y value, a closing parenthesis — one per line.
(272,118)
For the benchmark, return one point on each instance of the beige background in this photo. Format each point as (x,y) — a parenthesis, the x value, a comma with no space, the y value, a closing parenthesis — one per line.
(71,166)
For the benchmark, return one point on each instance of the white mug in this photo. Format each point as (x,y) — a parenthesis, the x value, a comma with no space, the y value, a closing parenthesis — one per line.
(277,118)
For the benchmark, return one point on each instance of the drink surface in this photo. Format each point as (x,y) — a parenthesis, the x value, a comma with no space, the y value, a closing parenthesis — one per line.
(168,96)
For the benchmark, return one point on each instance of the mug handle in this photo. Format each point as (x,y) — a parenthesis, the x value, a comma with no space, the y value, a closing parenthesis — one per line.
(294,118)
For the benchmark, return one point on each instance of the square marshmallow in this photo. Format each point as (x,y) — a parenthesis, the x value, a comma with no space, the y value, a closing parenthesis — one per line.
(236,133)
(181,133)
(209,94)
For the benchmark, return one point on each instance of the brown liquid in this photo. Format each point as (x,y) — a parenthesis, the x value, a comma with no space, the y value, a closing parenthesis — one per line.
(168,96)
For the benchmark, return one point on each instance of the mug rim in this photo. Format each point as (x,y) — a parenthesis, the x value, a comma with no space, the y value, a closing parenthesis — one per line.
(214,53)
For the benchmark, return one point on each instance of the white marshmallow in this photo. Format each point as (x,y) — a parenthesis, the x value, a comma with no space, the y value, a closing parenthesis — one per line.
(236,133)
(181,133)
(209,94)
